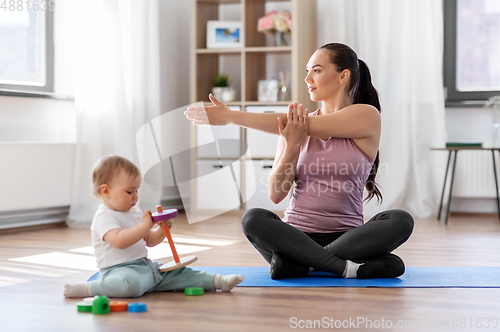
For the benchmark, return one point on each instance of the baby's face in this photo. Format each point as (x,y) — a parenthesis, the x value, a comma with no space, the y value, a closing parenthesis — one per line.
(123,192)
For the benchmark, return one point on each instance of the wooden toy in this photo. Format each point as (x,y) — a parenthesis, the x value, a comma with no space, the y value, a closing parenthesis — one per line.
(115,306)
(177,263)
(100,305)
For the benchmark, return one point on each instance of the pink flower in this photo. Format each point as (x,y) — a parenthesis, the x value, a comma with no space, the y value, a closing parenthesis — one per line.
(265,23)
(283,15)
(275,21)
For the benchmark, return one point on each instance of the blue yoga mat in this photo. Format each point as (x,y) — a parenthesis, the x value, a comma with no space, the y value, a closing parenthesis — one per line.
(414,277)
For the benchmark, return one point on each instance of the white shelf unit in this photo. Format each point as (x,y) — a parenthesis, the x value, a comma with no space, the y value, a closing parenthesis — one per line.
(256,60)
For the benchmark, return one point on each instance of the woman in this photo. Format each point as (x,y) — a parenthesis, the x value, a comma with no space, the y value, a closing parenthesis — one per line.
(330,156)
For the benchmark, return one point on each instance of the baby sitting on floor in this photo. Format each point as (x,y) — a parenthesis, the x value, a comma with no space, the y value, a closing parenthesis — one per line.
(120,234)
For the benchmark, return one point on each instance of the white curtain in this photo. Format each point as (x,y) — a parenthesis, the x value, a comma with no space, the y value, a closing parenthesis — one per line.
(117,90)
(402,43)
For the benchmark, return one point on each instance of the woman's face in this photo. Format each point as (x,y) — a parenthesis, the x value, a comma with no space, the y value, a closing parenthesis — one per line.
(323,80)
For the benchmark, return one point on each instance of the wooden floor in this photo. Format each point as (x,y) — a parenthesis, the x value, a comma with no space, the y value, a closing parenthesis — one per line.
(31,285)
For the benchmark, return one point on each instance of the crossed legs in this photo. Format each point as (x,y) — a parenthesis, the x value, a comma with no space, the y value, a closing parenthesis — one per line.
(379,236)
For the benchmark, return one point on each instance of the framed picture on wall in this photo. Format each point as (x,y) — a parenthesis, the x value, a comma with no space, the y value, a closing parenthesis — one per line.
(268,90)
(224,34)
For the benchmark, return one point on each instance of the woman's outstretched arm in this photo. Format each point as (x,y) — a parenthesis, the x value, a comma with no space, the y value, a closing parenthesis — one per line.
(354,121)
(219,114)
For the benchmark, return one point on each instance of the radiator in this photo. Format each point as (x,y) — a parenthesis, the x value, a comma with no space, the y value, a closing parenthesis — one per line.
(474,175)
(35,182)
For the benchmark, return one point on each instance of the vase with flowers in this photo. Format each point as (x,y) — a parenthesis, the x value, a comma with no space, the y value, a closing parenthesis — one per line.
(276,24)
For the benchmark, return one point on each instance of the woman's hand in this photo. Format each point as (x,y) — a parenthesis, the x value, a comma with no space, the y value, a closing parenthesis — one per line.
(215,115)
(295,131)
(293,134)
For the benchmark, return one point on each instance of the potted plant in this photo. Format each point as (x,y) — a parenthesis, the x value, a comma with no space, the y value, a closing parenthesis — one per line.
(219,83)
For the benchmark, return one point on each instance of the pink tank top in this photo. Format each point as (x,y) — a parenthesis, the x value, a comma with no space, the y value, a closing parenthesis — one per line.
(329,184)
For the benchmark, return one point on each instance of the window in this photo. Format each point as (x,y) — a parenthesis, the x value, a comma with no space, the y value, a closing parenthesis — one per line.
(26,51)
(471,49)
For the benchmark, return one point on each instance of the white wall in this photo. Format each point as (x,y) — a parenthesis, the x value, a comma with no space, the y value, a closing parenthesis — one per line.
(174,80)
(36,120)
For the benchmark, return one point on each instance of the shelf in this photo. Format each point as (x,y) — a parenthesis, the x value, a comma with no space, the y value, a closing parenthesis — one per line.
(218,50)
(223,2)
(269,0)
(260,49)
(266,103)
(212,64)
(268,49)
(257,59)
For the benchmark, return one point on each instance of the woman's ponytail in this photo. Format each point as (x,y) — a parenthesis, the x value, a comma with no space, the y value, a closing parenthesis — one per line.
(364,92)
(371,185)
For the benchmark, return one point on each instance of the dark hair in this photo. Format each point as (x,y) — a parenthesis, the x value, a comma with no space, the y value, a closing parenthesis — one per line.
(361,91)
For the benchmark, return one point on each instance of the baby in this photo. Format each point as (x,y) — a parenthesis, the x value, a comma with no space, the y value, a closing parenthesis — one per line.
(120,234)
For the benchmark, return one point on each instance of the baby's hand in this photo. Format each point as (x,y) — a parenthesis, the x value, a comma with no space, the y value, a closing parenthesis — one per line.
(147,218)
(167,223)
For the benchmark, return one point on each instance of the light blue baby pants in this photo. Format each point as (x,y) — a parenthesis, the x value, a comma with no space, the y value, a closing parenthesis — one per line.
(133,279)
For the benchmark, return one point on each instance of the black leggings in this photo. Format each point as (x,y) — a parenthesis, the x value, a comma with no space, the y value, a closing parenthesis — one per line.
(326,252)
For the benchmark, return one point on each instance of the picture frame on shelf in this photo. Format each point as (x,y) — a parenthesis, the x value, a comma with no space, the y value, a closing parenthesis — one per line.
(267,91)
(224,34)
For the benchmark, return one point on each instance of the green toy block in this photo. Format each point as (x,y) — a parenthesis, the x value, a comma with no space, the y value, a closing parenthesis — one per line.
(100,306)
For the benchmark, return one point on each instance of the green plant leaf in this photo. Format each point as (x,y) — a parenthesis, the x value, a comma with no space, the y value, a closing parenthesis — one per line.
(220,80)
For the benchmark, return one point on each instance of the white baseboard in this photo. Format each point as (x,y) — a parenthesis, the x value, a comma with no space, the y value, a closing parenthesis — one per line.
(473,205)
(33,217)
